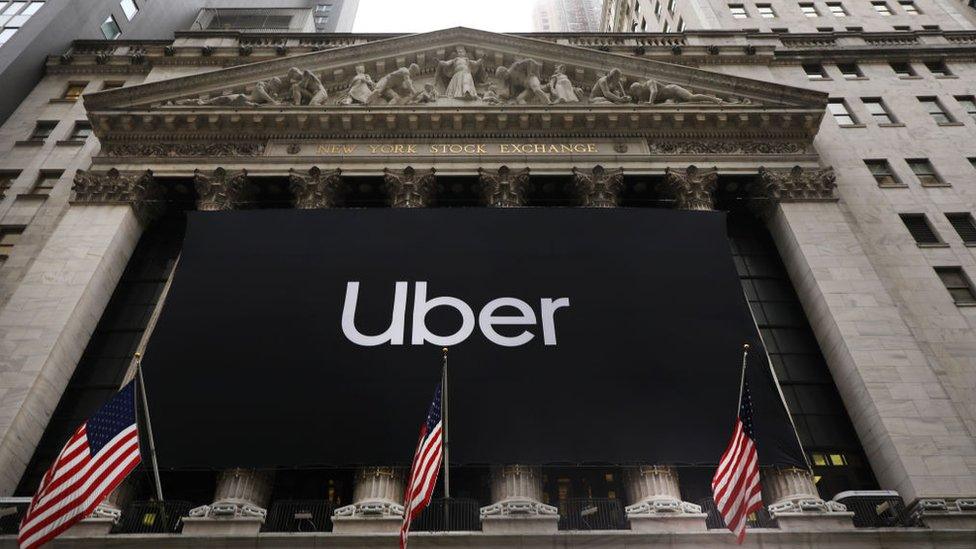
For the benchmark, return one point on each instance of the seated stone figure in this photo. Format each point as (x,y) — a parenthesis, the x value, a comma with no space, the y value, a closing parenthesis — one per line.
(360,88)
(306,88)
(523,81)
(609,89)
(651,91)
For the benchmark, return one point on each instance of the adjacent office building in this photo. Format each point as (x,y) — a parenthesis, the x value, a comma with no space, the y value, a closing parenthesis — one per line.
(566,16)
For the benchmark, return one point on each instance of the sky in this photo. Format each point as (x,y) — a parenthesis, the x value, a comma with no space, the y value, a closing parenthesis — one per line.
(428,15)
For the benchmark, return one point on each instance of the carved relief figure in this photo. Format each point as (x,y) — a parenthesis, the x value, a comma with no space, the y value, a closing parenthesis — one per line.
(562,88)
(458,76)
(306,88)
(426,95)
(491,95)
(609,89)
(651,91)
(360,88)
(396,87)
(522,79)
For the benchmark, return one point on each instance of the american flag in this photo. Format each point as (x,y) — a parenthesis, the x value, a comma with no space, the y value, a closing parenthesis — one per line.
(426,465)
(96,459)
(735,486)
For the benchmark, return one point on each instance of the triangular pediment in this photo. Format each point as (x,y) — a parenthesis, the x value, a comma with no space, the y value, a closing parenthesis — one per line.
(498,63)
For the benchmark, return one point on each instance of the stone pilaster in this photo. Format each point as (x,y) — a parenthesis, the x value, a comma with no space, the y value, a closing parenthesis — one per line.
(599,187)
(316,189)
(239,507)
(503,188)
(792,499)
(691,188)
(656,504)
(51,315)
(219,190)
(409,188)
(377,502)
(517,508)
(775,186)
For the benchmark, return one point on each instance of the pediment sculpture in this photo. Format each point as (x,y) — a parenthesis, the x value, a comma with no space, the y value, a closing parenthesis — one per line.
(460,80)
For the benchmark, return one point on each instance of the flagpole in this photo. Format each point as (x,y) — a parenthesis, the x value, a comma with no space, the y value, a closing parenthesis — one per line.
(447,461)
(152,442)
(742,379)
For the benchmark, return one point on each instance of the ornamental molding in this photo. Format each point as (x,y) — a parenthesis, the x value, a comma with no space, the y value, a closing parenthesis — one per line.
(173,150)
(113,187)
(503,188)
(795,185)
(316,188)
(410,188)
(219,190)
(599,187)
(691,188)
(677,147)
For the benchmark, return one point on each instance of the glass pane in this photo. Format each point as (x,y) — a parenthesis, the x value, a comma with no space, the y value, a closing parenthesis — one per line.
(110,29)
(5,34)
(129,8)
(14,8)
(32,9)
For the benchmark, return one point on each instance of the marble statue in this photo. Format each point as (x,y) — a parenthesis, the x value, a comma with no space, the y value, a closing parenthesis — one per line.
(426,95)
(609,89)
(397,87)
(460,75)
(522,79)
(561,87)
(360,88)
(306,88)
(651,91)
(297,87)
(490,96)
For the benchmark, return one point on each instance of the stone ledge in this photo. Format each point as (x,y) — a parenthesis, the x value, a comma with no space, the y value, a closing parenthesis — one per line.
(221,527)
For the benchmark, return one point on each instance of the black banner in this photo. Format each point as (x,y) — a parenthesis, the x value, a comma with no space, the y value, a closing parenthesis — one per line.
(313,338)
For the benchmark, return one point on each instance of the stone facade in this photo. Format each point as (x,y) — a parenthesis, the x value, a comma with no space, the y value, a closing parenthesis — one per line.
(900,351)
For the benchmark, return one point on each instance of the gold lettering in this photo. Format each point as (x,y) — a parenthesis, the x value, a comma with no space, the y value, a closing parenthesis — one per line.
(503,148)
(348,149)
(373,149)
(398,149)
(565,148)
(412,149)
(481,149)
(591,147)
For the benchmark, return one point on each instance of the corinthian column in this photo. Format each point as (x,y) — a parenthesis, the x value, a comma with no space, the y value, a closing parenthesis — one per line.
(516,494)
(377,503)
(315,189)
(409,188)
(691,188)
(792,499)
(220,190)
(656,504)
(777,185)
(503,188)
(599,187)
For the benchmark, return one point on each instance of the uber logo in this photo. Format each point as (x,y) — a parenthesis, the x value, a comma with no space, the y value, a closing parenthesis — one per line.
(488,318)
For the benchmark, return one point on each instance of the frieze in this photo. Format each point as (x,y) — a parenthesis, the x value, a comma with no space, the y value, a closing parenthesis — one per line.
(725,147)
(150,149)
(459,148)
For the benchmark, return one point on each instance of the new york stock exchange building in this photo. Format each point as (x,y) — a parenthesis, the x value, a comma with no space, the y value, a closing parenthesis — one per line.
(288,228)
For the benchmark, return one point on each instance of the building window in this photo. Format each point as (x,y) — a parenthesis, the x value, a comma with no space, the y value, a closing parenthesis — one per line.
(919,227)
(643,25)
(956,281)
(633,26)
(74,91)
(43,130)
(905,28)
(968,103)
(671,4)
(14,15)
(112,84)
(681,25)
(323,8)
(837,9)
(882,8)
(931,27)
(850,71)
(110,28)
(815,71)
(45,183)
(81,131)
(935,110)
(903,70)
(964,225)
(924,171)
(909,7)
(766,11)
(810,10)
(825,29)
(129,8)
(637,7)
(878,111)
(666,27)
(7,181)
(657,9)
(8,238)
(882,173)
(841,113)
(6,34)
(938,68)
(738,11)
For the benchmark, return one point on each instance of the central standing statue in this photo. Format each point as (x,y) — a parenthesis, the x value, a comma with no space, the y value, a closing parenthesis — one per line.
(458,76)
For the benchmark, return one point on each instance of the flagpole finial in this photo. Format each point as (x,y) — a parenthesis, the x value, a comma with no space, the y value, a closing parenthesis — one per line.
(445,350)
(745,347)
(138,355)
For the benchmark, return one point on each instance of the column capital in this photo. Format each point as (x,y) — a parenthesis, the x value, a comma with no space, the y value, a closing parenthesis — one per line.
(599,187)
(504,187)
(138,189)
(795,184)
(220,189)
(410,188)
(316,189)
(656,504)
(691,188)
